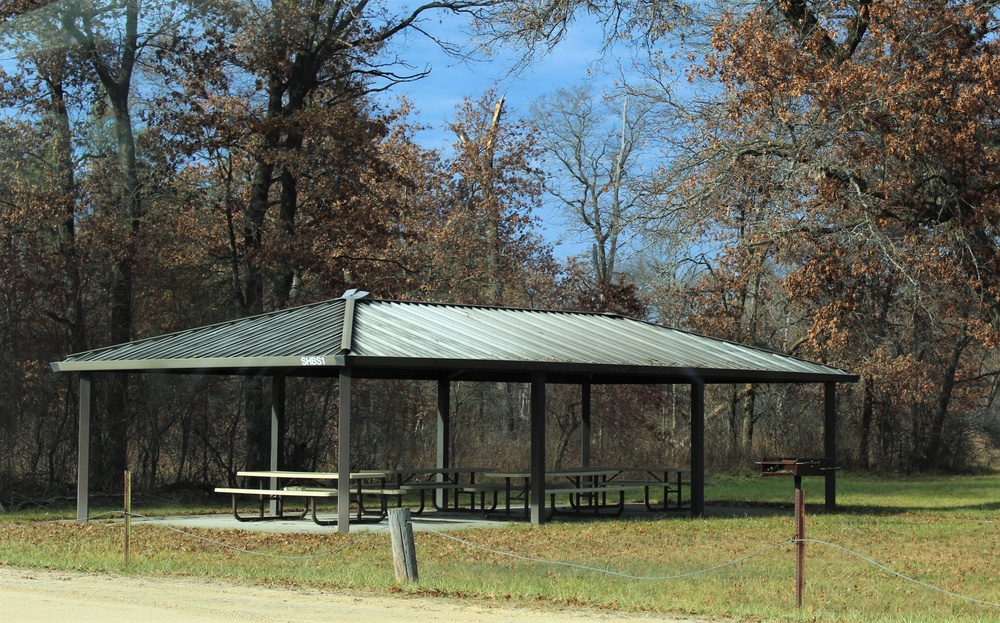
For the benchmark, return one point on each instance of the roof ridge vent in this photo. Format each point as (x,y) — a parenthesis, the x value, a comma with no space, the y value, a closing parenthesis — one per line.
(354,294)
(347,337)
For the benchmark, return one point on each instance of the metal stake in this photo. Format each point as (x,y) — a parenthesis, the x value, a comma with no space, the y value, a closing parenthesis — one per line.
(128,516)
(800,544)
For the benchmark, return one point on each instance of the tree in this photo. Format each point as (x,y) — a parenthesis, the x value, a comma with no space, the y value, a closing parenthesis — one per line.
(480,246)
(597,145)
(880,121)
(298,142)
(95,49)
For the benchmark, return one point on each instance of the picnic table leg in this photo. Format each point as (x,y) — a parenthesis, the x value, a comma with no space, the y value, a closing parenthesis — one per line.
(527,499)
(552,512)
(666,490)
(482,501)
(321,522)
(649,506)
(680,489)
(236,511)
(423,498)
(621,503)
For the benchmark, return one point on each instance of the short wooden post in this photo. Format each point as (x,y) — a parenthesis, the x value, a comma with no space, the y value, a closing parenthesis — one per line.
(404,554)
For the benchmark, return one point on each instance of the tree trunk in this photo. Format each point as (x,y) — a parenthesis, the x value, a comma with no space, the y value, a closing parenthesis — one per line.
(935,446)
(867,416)
(117,85)
(749,405)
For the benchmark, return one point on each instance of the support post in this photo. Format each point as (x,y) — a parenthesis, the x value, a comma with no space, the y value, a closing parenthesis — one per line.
(830,442)
(537,489)
(277,431)
(344,454)
(404,553)
(697,448)
(83,450)
(443,435)
(585,425)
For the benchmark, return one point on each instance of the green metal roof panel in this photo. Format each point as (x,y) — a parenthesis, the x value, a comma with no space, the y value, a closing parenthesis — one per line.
(401,330)
(267,340)
(407,335)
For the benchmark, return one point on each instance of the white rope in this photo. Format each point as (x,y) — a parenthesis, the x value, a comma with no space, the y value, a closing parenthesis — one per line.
(608,571)
(898,574)
(720,566)
(560,563)
(49,521)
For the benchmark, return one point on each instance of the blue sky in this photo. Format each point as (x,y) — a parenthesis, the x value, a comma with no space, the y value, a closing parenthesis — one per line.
(437,96)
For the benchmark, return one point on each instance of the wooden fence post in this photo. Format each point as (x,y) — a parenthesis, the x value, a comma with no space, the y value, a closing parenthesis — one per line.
(404,554)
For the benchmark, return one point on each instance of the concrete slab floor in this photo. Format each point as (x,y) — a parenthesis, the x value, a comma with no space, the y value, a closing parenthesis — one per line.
(432,520)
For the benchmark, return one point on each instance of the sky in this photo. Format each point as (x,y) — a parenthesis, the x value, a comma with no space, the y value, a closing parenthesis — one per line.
(437,96)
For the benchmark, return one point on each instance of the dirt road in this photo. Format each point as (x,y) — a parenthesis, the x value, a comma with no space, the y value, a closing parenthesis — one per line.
(38,596)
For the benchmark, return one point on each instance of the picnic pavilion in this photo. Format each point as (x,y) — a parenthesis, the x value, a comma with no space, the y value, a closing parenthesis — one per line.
(358,337)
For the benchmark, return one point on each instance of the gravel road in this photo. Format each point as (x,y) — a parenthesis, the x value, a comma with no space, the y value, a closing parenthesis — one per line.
(40,596)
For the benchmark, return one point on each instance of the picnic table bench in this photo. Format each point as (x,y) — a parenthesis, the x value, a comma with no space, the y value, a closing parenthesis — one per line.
(596,496)
(669,480)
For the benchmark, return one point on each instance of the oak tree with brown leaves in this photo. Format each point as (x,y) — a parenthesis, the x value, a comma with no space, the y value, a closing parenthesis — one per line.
(870,131)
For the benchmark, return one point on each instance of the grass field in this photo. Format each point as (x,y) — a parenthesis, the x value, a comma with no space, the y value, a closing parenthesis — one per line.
(943,532)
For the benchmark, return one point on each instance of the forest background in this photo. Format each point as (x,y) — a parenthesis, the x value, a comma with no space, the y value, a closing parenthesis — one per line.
(819,178)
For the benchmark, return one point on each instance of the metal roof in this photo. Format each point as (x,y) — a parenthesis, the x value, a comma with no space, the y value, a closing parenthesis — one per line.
(380,338)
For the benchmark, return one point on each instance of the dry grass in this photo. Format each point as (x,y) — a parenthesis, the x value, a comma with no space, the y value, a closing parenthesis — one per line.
(941,531)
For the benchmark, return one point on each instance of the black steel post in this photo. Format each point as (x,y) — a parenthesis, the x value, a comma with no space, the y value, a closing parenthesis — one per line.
(443,436)
(830,442)
(697,448)
(536,491)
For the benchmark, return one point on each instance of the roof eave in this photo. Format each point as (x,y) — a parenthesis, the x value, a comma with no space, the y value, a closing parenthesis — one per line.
(602,373)
(231,365)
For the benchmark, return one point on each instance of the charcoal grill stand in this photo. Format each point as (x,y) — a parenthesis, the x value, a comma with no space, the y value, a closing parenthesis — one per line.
(797,468)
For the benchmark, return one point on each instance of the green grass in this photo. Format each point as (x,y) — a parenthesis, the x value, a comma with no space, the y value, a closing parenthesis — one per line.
(941,530)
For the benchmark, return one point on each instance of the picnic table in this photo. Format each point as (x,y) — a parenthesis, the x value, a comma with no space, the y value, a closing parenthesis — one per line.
(579,483)
(385,485)
(668,479)
(594,484)
(276,485)
(448,484)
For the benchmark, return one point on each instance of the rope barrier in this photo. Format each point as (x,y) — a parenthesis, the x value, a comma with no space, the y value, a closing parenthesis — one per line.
(560,563)
(719,566)
(900,575)
(50,521)
(608,571)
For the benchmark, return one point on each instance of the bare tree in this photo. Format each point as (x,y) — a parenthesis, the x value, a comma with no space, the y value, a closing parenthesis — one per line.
(597,144)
